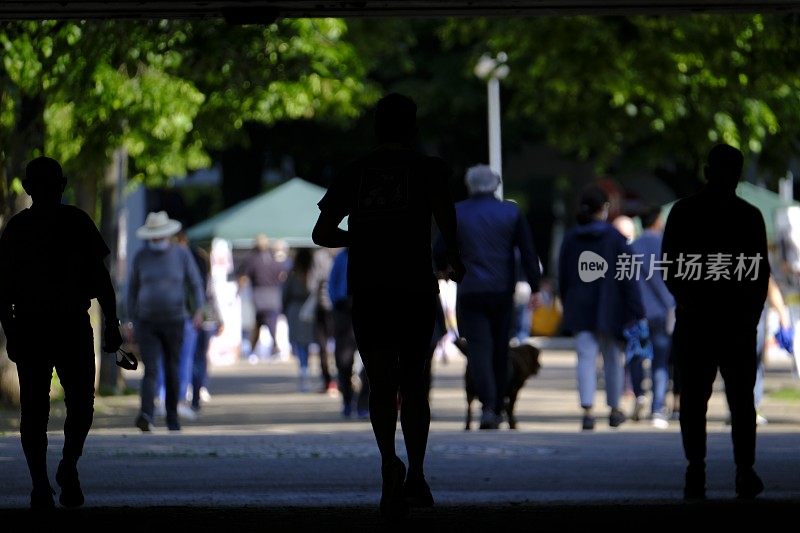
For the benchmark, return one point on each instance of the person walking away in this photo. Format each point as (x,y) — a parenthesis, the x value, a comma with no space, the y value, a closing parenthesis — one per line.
(718,305)
(390,195)
(51,266)
(299,305)
(597,308)
(490,233)
(165,287)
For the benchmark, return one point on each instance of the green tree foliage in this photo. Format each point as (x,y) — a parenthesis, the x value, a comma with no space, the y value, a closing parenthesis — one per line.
(656,90)
(168,91)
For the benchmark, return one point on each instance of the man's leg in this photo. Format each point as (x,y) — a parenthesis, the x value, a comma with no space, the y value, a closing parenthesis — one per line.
(660,365)
(739,369)
(76,371)
(587,350)
(200,365)
(500,324)
(613,369)
(271,321)
(34,386)
(696,362)
(260,320)
(475,327)
(152,358)
(171,338)
(186,358)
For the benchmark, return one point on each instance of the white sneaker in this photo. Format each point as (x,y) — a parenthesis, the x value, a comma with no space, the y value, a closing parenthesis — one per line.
(205,396)
(660,421)
(186,412)
(638,407)
(761,420)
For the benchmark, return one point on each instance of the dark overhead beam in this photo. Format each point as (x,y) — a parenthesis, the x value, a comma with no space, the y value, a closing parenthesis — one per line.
(263,11)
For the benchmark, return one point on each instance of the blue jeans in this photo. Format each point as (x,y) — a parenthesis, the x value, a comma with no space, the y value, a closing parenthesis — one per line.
(588,344)
(185,362)
(301,351)
(659,367)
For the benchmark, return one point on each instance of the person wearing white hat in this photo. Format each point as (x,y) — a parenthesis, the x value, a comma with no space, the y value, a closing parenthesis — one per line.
(158,306)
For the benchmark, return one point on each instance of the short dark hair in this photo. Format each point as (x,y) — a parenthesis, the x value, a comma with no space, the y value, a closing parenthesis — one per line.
(724,164)
(590,202)
(650,216)
(395,118)
(43,175)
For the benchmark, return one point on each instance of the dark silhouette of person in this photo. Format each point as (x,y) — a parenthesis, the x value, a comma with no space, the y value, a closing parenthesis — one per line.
(51,266)
(717,311)
(390,195)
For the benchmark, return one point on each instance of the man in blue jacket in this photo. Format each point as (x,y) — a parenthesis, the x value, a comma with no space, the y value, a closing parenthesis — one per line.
(489,232)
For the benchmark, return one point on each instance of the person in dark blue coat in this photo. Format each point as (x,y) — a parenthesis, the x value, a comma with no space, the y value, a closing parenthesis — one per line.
(597,305)
(489,232)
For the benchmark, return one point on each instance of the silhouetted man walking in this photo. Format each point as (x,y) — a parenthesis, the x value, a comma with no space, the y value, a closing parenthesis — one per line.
(51,265)
(718,272)
(390,195)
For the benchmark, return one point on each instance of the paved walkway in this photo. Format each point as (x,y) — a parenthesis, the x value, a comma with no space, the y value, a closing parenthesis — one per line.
(262,446)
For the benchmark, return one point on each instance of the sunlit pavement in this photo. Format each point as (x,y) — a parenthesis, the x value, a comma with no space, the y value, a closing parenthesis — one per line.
(262,445)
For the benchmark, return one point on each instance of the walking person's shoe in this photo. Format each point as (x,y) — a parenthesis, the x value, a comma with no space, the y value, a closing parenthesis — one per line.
(67,478)
(748,484)
(393,504)
(417,492)
(659,420)
(42,497)
(587,424)
(144,423)
(616,418)
(347,411)
(489,420)
(694,487)
(638,408)
(173,424)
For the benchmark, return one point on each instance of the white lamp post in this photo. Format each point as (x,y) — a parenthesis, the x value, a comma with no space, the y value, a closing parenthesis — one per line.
(494,69)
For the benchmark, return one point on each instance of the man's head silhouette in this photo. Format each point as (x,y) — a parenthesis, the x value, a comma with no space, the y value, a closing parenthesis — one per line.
(396,118)
(724,167)
(44,180)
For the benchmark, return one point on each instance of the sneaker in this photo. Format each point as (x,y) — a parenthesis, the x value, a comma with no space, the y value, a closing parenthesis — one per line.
(205,396)
(748,484)
(42,498)
(761,420)
(173,425)
(694,487)
(588,423)
(659,420)
(638,408)
(144,423)
(186,412)
(417,493)
(616,418)
(393,504)
(333,390)
(489,420)
(67,479)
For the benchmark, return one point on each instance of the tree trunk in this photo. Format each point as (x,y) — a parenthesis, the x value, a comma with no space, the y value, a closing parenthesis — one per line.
(110,381)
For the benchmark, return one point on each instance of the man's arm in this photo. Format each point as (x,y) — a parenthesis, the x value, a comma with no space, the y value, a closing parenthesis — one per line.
(527,251)
(107,298)
(444,212)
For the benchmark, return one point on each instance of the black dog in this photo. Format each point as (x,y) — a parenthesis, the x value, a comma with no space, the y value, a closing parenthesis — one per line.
(523,362)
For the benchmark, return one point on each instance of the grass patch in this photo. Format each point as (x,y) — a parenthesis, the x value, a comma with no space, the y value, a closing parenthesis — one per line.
(790,394)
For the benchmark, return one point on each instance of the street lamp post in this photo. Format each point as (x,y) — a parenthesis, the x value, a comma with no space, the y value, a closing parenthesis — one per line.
(492,70)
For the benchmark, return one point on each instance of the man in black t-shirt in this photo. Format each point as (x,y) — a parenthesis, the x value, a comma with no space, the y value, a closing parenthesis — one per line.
(390,195)
(51,265)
